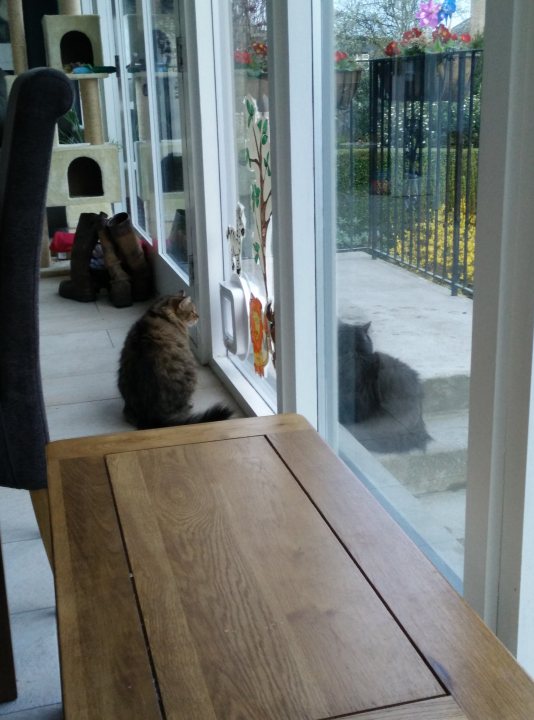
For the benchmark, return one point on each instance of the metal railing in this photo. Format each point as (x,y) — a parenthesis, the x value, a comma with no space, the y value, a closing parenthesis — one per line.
(407,181)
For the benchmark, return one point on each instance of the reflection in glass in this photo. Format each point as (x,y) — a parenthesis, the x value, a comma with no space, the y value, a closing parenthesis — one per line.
(142,206)
(164,152)
(407,119)
(169,98)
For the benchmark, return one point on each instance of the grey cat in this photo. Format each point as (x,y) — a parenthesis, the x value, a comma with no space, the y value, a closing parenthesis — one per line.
(157,370)
(380,397)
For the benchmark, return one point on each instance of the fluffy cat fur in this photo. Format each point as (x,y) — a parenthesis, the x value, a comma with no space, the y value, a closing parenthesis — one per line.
(380,397)
(157,370)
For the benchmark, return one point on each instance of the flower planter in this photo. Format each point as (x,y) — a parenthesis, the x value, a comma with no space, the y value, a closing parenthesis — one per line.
(347,82)
(425,77)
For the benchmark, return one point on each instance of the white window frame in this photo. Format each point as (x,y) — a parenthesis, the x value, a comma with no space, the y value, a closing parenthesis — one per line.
(294,204)
(497,551)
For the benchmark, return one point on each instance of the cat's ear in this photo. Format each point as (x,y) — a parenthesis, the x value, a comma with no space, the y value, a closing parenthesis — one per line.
(367,326)
(176,301)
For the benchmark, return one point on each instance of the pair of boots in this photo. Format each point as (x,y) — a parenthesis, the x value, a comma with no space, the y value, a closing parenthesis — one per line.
(128,274)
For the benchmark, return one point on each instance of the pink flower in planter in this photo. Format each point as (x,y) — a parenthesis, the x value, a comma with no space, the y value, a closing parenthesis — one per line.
(428,14)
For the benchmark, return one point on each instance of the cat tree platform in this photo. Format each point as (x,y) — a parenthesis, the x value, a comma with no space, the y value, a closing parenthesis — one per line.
(72,39)
(84,174)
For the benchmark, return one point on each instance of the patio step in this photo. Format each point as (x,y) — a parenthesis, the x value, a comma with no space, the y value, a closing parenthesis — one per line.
(445,394)
(443,465)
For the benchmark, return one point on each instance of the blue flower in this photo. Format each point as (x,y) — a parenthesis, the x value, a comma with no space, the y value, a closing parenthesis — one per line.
(448,7)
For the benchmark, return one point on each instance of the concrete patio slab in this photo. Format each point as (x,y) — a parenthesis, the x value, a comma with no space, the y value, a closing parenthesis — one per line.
(412,318)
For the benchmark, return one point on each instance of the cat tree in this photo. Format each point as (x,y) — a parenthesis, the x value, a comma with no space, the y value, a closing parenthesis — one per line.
(83,177)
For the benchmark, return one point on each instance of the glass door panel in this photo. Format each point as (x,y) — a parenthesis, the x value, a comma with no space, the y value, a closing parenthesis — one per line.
(135,88)
(152,48)
(250,235)
(407,114)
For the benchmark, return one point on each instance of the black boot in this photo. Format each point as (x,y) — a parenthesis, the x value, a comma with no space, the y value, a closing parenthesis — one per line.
(130,251)
(120,287)
(82,286)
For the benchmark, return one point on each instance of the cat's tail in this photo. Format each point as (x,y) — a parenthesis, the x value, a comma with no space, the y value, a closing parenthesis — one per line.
(215,412)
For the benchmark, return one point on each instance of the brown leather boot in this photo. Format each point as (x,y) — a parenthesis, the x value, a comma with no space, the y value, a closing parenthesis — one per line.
(120,287)
(131,252)
(82,286)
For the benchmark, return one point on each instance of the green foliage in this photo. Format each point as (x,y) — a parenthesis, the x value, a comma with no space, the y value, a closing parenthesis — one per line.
(69,128)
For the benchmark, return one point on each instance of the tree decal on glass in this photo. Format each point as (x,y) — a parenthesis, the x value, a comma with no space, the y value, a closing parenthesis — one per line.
(258,155)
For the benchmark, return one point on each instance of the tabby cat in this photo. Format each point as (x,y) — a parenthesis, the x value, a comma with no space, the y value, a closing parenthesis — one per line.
(380,397)
(157,370)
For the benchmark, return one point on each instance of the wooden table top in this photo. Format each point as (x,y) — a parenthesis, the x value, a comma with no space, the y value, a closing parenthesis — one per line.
(238,570)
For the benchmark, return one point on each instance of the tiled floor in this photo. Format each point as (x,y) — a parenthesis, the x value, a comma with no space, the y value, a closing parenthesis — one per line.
(80,345)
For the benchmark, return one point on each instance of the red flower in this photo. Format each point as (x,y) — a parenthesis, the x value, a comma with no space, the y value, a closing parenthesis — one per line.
(340,55)
(412,34)
(242,57)
(442,33)
(465,38)
(260,48)
(392,49)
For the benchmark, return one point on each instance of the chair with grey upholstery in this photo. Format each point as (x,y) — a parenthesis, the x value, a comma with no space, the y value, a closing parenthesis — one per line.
(37,99)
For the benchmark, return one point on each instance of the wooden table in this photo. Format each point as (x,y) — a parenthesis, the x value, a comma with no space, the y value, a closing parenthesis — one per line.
(238,570)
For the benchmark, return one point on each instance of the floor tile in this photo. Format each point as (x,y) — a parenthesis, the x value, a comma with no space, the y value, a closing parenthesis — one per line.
(17,519)
(29,580)
(68,389)
(117,317)
(36,661)
(87,418)
(54,324)
(74,342)
(52,712)
(118,335)
(74,363)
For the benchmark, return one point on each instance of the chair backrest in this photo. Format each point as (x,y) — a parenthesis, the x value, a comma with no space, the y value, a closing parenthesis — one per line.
(37,99)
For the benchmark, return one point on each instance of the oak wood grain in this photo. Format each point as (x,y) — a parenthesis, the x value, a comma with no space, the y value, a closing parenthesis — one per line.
(104,662)
(476,668)
(252,608)
(443,708)
(101,445)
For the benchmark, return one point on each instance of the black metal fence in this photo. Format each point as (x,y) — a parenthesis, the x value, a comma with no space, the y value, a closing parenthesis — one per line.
(407,164)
